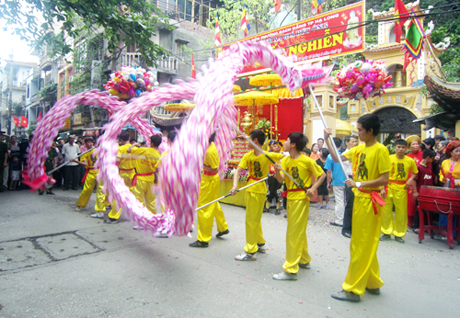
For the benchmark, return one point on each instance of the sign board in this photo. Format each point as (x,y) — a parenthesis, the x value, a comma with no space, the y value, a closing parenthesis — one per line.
(66,124)
(77,119)
(333,33)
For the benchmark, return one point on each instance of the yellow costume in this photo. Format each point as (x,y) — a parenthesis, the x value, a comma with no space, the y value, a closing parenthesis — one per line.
(445,172)
(298,208)
(255,196)
(90,182)
(126,169)
(397,196)
(209,191)
(368,164)
(144,178)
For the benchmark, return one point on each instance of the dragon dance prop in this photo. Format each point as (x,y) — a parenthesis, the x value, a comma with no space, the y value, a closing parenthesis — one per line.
(179,172)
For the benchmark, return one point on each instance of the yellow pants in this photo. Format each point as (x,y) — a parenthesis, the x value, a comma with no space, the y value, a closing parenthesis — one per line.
(143,193)
(88,188)
(363,270)
(398,198)
(127,178)
(254,209)
(296,235)
(209,191)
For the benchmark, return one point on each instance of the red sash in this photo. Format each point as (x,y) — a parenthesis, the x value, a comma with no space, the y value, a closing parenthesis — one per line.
(209,173)
(397,181)
(285,193)
(253,178)
(376,199)
(134,182)
(86,173)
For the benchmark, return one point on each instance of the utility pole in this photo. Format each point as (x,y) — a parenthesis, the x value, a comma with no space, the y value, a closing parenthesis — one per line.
(298,10)
(10,102)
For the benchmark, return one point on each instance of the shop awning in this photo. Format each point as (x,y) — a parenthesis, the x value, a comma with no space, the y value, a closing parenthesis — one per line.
(444,120)
(343,128)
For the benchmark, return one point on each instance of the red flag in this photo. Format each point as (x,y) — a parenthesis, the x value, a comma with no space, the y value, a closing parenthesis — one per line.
(217,40)
(39,117)
(277,5)
(244,25)
(193,68)
(401,15)
(24,121)
(16,120)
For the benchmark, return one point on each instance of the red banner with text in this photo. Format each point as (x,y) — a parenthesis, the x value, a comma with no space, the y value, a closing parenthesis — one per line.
(333,33)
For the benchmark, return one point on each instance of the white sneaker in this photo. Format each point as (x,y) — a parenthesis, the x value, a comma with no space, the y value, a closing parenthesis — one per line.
(246,257)
(99,215)
(285,276)
(262,248)
(78,209)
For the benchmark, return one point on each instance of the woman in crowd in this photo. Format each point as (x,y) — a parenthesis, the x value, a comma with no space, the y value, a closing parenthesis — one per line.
(314,152)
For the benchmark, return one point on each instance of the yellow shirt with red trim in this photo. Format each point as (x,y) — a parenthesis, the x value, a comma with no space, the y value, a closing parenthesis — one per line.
(400,171)
(90,160)
(258,168)
(146,165)
(211,159)
(301,169)
(368,164)
(125,161)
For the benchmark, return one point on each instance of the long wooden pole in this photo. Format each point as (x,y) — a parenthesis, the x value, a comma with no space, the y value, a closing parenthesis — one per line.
(331,139)
(227,195)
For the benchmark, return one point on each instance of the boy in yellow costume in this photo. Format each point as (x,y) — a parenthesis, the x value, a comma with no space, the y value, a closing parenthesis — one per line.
(90,180)
(209,191)
(126,169)
(371,167)
(302,168)
(396,193)
(258,165)
(144,177)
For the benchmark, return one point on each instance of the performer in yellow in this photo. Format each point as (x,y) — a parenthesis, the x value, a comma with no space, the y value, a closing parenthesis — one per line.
(396,193)
(450,169)
(126,169)
(301,168)
(258,165)
(144,177)
(209,191)
(371,167)
(90,181)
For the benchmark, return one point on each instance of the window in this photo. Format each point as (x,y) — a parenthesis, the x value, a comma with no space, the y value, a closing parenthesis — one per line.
(188,10)
(180,49)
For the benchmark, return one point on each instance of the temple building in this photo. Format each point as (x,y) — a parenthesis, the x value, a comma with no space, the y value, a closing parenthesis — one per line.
(404,102)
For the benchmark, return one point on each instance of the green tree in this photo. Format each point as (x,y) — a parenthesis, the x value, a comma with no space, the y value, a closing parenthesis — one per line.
(131,22)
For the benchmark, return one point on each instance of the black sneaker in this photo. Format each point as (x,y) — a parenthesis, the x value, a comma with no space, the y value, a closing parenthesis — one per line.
(199,244)
(50,192)
(277,212)
(222,233)
(110,221)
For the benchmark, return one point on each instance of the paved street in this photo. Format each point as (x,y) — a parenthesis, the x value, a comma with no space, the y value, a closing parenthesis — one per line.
(55,262)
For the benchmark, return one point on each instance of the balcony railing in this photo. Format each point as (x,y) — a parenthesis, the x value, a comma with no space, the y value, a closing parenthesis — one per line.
(168,64)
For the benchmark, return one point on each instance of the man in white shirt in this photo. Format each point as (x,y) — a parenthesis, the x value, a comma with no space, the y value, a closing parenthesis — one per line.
(71,151)
(350,142)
